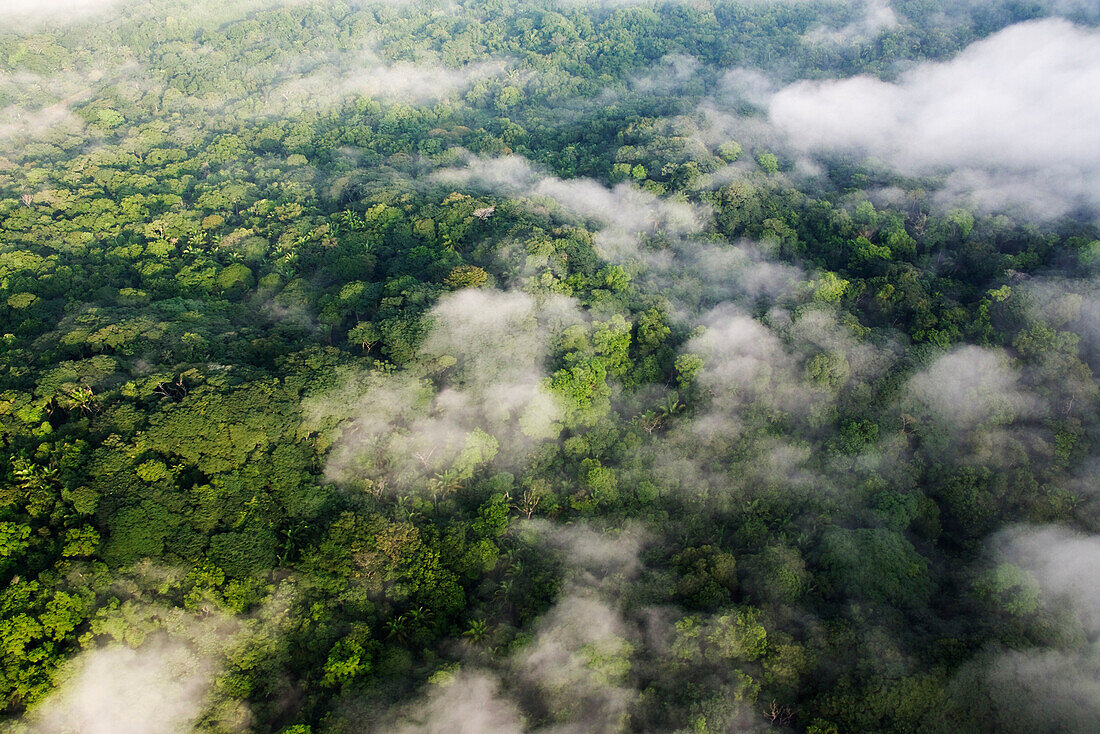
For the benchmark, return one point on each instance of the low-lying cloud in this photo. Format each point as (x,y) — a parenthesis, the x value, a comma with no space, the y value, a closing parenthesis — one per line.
(873,17)
(1012,120)
(1044,688)
(477,395)
(659,241)
(625,211)
(159,688)
(19,13)
(574,668)
(1065,564)
(968,387)
(368,75)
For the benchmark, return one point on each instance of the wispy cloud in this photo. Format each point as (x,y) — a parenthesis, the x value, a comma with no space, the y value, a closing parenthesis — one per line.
(575,667)
(477,395)
(1013,119)
(159,688)
(873,17)
(658,240)
(310,83)
(21,13)
(1051,687)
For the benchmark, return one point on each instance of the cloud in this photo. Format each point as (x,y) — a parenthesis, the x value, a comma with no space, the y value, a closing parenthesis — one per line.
(16,13)
(477,395)
(467,703)
(1012,120)
(159,688)
(625,212)
(580,655)
(330,80)
(968,387)
(31,104)
(573,671)
(874,17)
(578,663)
(1047,688)
(1065,563)
(1077,10)
(666,76)
(660,241)
(1070,305)
(754,376)
(595,560)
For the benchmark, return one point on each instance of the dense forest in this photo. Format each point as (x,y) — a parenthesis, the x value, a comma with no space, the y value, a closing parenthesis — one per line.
(510,366)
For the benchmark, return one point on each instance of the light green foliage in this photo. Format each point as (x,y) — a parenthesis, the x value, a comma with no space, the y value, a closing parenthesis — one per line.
(829,370)
(768,162)
(729,151)
(219,258)
(80,542)
(20,301)
(583,391)
(611,341)
(830,288)
(733,638)
(14,538)
(1009,589)
(347,659)
(467,276)
(688,367)
(478,449)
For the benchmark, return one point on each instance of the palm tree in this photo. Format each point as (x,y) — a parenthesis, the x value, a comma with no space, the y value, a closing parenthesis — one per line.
(477,630)
(398,628)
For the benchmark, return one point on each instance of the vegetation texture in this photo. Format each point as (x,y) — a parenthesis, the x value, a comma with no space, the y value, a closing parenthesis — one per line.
(499,366)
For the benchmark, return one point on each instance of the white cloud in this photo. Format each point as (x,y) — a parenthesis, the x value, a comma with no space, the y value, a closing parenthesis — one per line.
(625,211)
(1013,119)
(969,387)
(575,667)
(366,74)
(485,352)
(17,13)
(1053,688)
(1066,565)
(468,703)
(874,17)
(693,272)
(160,688)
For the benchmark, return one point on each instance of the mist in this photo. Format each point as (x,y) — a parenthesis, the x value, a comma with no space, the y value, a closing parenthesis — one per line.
(159,688)
(485,351)
(26,13)
(1010,121)
(549,367)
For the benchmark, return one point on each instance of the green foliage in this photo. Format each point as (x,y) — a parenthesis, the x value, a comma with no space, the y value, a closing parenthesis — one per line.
(225,228)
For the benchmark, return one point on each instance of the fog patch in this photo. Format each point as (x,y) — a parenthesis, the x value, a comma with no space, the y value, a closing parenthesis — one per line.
(329,81)
(970,387)
(477,395)
(574,670)
(748,376)
(1047,688)
(22,14)
(160,688)
(874,17)
(624,211)
(1071,305)
(466,703)
(1065,563)
(1013,119)
(659,241)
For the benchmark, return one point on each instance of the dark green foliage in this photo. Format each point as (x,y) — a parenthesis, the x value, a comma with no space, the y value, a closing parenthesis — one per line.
(198,285)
